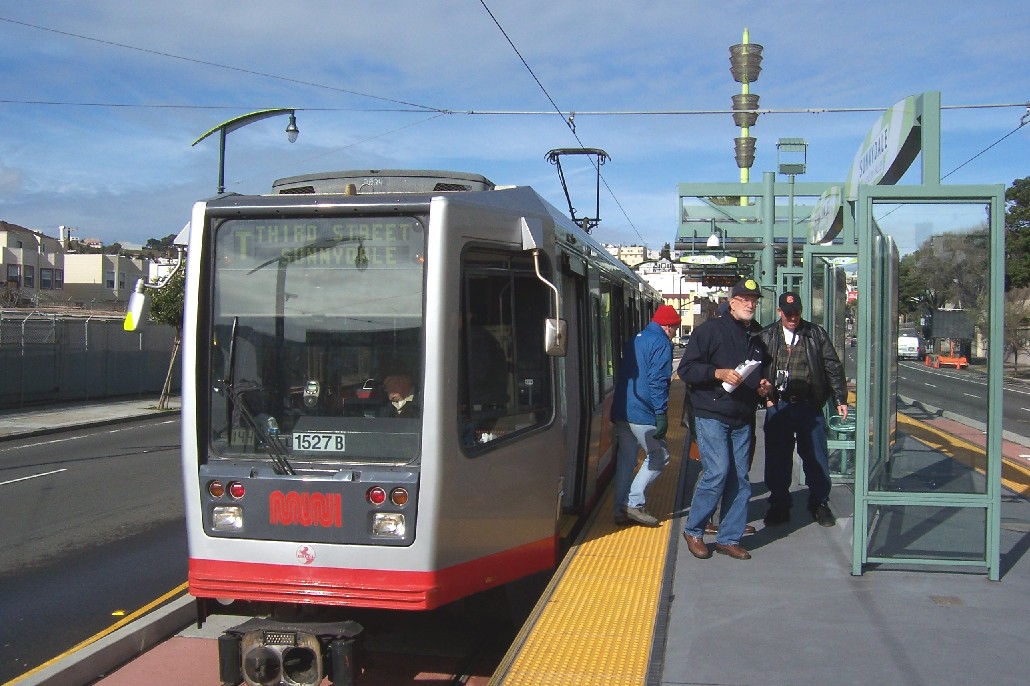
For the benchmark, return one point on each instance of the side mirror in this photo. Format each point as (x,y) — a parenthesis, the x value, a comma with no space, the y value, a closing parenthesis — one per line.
(138,308)
(555,337)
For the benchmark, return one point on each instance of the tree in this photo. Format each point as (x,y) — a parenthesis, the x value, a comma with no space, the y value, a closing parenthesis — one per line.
(1017,322)
(666,252)
(166,307)
(160,245)
(1017,234)
(947,269)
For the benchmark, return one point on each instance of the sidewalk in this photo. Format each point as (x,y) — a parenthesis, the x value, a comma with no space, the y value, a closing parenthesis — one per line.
(36,421)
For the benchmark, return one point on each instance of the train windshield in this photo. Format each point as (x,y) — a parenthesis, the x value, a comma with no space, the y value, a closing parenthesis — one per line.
(316,339)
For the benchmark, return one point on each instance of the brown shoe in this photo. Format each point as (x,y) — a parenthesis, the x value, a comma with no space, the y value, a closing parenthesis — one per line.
(696,546)
(714,529)
(735,551)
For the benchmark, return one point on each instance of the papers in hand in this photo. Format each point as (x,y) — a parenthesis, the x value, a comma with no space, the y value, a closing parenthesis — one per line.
(744,369)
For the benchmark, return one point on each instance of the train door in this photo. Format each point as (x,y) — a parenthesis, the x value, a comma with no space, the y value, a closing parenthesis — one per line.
(577,384)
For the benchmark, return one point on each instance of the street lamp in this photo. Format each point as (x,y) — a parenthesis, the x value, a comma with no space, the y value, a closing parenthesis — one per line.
(226,127)
(745,66)
(791,154)
(714,241)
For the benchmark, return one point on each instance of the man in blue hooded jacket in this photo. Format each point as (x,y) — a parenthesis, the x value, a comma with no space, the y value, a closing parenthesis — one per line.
(640,413)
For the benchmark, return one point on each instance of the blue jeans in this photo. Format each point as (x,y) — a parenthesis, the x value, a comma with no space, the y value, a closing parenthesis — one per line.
(787,425)
(724,451)
(632,436)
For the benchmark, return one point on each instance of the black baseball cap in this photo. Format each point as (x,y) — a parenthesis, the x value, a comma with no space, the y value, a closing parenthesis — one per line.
(790,302)
(746,286)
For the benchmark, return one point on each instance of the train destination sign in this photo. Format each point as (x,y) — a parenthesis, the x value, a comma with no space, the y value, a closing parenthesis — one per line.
(329,242)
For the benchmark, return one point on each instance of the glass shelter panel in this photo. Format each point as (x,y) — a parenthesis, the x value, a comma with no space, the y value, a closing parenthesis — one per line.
(830,275)
(928,533)
(929,315)
(935,315)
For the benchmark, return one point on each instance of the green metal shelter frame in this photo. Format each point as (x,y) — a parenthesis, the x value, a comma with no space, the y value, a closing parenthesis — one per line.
(912,519)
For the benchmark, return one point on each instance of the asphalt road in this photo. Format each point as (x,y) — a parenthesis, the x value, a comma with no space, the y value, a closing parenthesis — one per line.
(94,528)
(964,393)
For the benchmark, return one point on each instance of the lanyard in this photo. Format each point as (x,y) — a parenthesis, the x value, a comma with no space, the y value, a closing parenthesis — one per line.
(793,343)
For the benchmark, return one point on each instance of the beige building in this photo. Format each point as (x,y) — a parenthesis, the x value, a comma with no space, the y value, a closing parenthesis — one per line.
(631,255)
(102,280)
(33,266)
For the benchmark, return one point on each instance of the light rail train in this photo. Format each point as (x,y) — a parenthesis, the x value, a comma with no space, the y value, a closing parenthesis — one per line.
(396,384)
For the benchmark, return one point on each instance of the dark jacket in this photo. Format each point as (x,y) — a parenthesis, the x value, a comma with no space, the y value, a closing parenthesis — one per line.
(721,343)
(827,372)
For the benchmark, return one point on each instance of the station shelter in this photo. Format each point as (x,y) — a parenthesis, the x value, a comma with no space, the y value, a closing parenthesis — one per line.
(924,496)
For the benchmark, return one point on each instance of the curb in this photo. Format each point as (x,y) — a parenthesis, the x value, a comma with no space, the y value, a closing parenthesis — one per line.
(980,426)
(96,660)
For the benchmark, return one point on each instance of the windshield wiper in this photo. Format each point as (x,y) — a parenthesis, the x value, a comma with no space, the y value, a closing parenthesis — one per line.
(234,396)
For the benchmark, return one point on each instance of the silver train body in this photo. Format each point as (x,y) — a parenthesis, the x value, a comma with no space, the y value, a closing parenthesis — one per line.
(370,416)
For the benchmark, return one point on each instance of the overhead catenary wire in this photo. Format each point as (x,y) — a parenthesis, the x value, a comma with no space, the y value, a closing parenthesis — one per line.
(569,122)
(411,107)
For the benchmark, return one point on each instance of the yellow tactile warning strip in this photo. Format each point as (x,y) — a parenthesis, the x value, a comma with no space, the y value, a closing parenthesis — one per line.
(595,623)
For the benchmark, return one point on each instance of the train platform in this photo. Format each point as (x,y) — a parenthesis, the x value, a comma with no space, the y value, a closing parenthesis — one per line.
(631,605)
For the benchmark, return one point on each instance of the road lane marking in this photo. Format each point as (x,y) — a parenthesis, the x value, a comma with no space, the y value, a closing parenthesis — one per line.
(930,385)
(34,476)
(971,395)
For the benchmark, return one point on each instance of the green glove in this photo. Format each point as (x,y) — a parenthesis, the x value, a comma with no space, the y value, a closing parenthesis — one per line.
(662,422)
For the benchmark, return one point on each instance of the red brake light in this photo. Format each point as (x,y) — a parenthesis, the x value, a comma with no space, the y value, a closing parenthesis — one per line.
(216,489)
(376,495)
(236,489)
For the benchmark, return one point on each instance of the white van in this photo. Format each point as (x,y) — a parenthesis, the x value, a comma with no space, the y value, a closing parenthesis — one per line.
(910,348)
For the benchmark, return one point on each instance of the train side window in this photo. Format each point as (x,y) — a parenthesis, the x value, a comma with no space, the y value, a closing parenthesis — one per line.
(505,385)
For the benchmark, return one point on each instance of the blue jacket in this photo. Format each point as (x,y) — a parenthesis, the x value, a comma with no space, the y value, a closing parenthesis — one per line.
(722,343)
(642,383)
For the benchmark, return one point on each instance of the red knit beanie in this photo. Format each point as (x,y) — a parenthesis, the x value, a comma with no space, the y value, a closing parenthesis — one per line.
(666,315)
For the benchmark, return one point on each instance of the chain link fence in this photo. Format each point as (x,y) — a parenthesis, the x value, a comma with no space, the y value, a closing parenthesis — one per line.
(51,357)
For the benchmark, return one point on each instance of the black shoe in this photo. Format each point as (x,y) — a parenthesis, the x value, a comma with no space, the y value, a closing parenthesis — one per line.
(777,514)
(823,516)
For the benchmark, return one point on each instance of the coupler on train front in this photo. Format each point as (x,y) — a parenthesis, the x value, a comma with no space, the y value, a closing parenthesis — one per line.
(265,652)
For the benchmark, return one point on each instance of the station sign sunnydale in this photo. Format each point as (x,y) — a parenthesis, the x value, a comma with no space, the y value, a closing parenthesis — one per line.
(888,150)
(709,259)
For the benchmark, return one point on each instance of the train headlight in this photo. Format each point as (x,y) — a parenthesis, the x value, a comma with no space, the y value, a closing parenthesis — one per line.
(227,518)
(388,524)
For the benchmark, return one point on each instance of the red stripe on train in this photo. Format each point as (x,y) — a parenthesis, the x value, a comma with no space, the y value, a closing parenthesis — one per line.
(376,588)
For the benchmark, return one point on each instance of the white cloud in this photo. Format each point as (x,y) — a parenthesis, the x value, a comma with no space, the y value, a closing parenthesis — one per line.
(129,173)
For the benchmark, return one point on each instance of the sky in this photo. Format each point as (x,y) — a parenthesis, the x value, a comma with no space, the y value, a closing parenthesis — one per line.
(102,100)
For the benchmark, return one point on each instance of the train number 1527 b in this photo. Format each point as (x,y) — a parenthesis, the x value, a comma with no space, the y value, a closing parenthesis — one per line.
(320,442)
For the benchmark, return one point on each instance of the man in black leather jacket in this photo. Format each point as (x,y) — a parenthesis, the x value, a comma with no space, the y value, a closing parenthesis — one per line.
(806,373)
